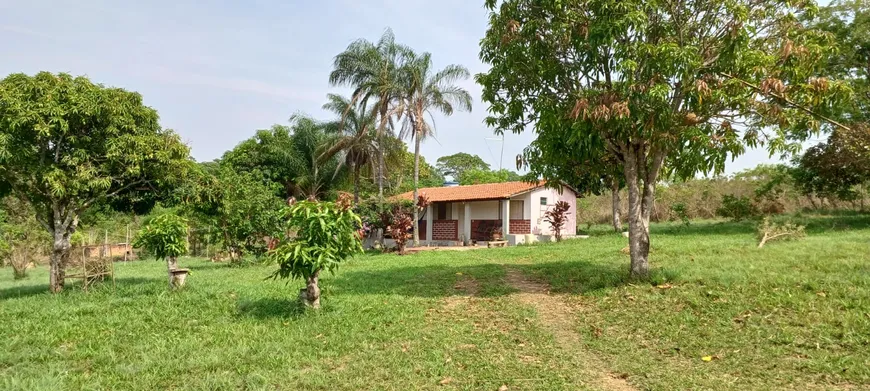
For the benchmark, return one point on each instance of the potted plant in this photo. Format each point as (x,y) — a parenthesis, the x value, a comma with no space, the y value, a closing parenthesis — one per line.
(166,237)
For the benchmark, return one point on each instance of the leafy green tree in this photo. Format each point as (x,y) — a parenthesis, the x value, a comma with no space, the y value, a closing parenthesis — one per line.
(834,169)
(326,235)
(291,156)
(402,172)
(373,71)
(313,175)
(651,83)
(427,91)
(270,153)
(241,206)
(357,138)
(478,177)
(454,165)
(848,21)
(165,237)
(67,144)
(831,170)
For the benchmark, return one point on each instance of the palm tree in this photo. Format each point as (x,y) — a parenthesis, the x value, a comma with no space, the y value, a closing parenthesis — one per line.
(313,176)
(427,91)
(372,69)
(355,136)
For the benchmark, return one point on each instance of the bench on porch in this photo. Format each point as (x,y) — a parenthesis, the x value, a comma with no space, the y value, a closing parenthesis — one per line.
(497,243)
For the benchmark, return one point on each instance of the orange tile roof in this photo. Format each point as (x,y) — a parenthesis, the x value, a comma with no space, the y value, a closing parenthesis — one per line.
(489,191)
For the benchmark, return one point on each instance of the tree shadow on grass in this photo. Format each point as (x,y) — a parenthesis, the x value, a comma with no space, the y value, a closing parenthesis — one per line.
(705,228)
(576,277)
(73,287)
(206,266)
(17,292)
(815,223)
(272,307)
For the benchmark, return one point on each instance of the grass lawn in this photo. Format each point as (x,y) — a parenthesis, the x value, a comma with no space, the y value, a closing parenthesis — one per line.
(793,315)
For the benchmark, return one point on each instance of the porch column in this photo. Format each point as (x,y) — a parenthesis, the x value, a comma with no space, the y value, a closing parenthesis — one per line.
(505,217)
(466,223)
(429,220)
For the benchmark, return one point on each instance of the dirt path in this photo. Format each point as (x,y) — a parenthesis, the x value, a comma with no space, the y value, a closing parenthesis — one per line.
(466,288)
(558,319)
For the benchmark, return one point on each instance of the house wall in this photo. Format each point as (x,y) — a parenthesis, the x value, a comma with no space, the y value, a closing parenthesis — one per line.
(536,210)
(527,201)
(485,210)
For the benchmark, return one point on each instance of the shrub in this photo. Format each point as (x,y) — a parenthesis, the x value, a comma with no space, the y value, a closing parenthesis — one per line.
(379,215)
(557,217)
(165,237)
(682,212)
(769,231)
(737,208)
(400,229)
(326,235)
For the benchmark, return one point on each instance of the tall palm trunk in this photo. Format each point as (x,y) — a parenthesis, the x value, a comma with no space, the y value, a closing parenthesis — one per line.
(355,169)
(416,183)
(381,130)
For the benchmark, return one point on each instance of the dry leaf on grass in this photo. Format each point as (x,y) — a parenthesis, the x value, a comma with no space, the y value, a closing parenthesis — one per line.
(503,387)
(445,381)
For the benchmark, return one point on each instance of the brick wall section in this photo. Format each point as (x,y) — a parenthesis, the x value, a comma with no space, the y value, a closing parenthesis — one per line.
(445,230)
(519,227)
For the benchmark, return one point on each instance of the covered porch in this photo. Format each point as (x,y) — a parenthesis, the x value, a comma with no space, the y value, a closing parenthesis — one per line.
(464,222)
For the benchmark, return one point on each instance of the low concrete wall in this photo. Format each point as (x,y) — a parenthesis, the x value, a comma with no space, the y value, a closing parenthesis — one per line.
(514,240)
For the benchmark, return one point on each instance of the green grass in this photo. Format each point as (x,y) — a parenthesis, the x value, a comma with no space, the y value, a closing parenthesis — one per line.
(793,315)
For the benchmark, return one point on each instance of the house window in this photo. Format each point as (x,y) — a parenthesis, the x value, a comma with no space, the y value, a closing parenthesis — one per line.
(517,210)
(544,201)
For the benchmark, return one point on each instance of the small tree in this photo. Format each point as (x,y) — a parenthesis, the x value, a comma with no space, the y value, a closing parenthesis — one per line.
(326,235)
(557,217)
(166,237)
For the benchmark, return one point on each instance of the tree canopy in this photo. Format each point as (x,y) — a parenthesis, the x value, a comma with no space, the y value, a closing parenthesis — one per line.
(478,177)
(454,165)
(652,83)
(293,157)
(67,143)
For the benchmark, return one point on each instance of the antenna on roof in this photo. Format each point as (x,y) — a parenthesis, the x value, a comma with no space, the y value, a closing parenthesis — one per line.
(501,158)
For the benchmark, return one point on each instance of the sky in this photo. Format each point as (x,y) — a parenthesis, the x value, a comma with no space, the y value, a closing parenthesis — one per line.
(217,71)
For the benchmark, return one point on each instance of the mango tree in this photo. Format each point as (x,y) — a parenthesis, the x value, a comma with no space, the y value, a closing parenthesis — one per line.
(325,234)
(67,143)
(686,85)
(165,237)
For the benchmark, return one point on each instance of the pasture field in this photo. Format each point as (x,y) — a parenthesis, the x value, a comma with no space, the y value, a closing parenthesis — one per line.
(719,314)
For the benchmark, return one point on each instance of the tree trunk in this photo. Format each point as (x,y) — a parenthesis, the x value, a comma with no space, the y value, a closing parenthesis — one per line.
(381,130)
(311,294)
(614,189)
(640,178)
(62,228)
(416,183)
(171,264)
(356,184)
